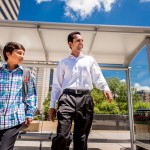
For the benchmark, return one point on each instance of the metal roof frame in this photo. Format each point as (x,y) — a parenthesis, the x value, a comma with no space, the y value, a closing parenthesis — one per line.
(111,46)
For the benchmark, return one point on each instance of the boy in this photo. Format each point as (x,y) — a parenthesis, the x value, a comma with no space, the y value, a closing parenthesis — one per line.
(12,105)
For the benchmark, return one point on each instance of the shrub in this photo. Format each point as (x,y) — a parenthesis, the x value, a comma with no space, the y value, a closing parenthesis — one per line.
(108,108)
(141,105)
(96,110)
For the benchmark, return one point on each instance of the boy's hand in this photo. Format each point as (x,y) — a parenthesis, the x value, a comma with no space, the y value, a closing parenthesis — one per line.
(28,121)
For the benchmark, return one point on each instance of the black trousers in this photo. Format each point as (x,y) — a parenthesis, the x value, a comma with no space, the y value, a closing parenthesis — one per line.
(8,137)
(77,108)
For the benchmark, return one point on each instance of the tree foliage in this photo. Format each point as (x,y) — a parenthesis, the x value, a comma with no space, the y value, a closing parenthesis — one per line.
(47,105)
(120,98)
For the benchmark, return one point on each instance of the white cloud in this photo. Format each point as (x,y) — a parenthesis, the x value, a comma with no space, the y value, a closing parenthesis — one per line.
(123,80)
(144,1)
(139,87)
(107,4)
(69,14)
(40,1)
(85,8)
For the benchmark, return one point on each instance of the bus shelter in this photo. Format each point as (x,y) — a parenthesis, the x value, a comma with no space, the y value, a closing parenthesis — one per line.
(113,47)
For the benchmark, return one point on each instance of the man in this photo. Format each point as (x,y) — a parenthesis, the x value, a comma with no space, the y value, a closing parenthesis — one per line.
(71,87)
(12,105)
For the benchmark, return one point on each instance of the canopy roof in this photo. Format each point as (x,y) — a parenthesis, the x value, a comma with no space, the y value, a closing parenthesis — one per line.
(46,43)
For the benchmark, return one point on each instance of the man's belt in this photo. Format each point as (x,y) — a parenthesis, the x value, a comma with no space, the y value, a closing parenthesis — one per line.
(69,91)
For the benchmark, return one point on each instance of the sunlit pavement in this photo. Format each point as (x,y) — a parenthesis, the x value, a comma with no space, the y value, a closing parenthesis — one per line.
(98,140)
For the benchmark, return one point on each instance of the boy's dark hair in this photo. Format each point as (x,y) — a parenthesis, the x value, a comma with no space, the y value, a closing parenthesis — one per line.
(70,36)
(9,47)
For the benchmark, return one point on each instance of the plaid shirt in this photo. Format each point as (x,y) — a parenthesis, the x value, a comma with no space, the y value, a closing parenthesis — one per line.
(12,108)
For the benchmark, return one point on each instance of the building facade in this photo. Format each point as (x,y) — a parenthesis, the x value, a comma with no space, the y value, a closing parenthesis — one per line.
(42,85)
(9,9)
(145,95)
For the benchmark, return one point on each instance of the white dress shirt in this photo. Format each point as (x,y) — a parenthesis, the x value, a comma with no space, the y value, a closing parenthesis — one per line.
(77,73)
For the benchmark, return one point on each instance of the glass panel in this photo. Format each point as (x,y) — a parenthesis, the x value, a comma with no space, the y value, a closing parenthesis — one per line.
(140,78)
(142,127)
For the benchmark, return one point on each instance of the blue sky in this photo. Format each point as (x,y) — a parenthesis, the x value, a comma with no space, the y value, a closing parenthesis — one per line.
(108,12)
(113,12)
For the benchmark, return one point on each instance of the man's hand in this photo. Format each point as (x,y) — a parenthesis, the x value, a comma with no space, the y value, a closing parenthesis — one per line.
(52,114)
(108,95)
(28,121)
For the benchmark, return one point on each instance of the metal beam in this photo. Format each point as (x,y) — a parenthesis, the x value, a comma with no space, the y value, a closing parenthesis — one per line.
(92,43)
(135,52)
(54,65)
(43,44)
(88,28)
(130,107)
(148,51)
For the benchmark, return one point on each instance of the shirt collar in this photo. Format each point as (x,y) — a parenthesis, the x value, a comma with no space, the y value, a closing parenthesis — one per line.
(81,55)
(18,68)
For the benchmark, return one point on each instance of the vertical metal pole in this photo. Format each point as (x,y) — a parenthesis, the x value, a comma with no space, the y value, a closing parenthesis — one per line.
(41,130)
(130,107)
(148,51)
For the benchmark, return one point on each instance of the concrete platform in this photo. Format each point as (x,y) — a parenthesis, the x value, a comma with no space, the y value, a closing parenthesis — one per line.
(98,140)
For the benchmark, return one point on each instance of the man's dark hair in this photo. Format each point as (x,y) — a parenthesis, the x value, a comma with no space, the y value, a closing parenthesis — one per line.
(70,36)
(10,47)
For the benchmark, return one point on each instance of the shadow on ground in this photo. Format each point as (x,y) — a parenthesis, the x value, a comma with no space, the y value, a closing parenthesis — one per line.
(43,148)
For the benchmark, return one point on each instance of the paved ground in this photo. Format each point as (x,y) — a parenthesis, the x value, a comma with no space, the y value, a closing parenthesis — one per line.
(98,139)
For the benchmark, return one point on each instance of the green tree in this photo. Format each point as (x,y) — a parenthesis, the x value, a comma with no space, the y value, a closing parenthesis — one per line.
(119,90)
(97,96)
(46,105)
(120,98)
(108,108)
(141,105)
(101,106)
